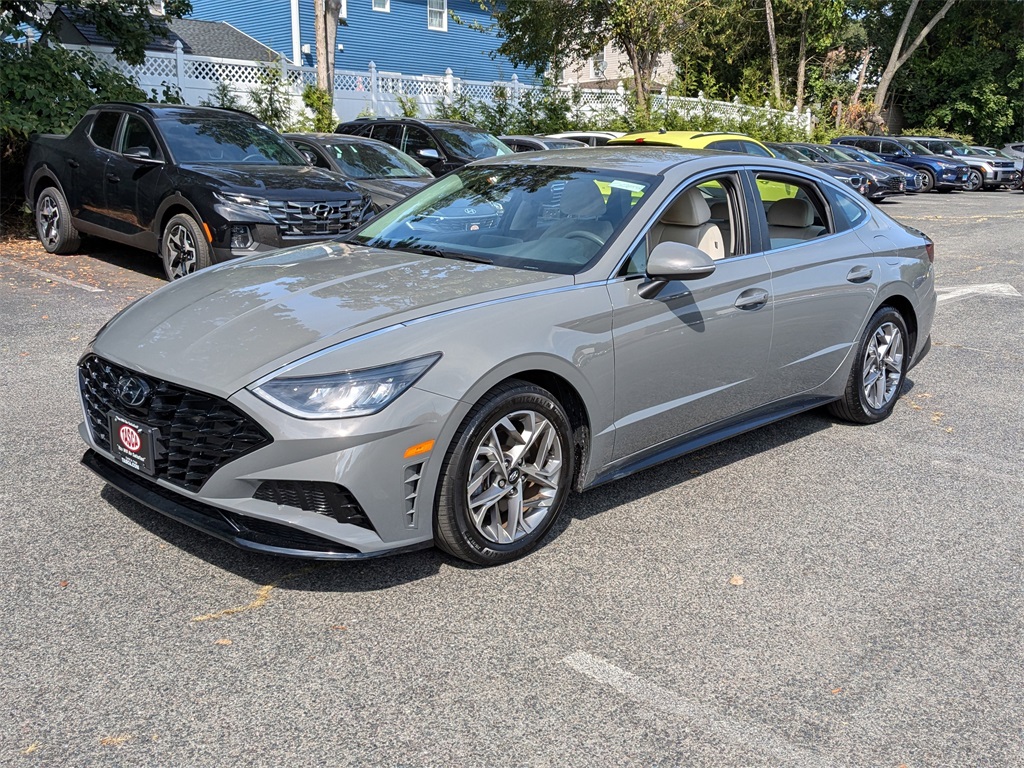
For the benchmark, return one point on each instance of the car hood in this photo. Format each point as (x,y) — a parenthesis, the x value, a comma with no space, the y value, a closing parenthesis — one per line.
(300,182)
(224,327)
(390,191)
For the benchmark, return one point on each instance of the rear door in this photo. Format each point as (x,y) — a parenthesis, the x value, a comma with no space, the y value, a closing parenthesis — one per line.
(98,149)
(132,187)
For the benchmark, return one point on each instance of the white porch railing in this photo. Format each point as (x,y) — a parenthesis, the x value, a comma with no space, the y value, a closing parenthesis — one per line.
(379,93)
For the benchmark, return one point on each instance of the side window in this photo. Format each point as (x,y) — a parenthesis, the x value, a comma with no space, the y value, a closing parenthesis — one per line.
(137,134)
(728,145)
(871,145)
(104,128)
(311,154)
(753,149)
(846,212)
(390,133)
(417,139)
(888,147)
(704,215)
(794,209)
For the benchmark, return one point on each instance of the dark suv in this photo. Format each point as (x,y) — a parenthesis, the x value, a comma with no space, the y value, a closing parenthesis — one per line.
(440,145)
(939,172)
(196,184)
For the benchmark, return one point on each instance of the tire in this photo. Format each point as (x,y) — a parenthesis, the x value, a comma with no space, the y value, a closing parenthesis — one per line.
(975,181)
(928,181)
(492,511)
(879,370)
(183,247)
(53,223)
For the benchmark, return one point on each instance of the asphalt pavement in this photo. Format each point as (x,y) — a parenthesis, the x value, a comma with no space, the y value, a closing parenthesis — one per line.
(809,594)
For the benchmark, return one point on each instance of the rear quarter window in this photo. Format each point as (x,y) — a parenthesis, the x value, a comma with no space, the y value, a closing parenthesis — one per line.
(104,128)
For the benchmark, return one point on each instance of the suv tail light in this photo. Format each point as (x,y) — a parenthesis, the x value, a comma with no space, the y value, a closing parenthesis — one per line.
(930,249)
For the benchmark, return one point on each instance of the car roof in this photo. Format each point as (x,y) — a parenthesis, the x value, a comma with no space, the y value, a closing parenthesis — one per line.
(652,161)
(696,139)
(173,110)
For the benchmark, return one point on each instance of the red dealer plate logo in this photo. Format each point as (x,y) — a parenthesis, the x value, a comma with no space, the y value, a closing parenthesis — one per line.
(130,438)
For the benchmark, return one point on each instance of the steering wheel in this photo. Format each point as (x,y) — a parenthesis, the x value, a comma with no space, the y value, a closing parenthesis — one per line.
(582,234)
(257,156)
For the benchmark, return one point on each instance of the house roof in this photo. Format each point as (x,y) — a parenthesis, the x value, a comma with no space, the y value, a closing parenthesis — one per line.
(216,39)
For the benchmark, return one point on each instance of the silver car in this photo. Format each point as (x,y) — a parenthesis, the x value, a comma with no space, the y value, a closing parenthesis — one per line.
(524,327)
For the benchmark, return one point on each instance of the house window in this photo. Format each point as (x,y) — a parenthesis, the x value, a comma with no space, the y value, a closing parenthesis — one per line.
(437,15)
(598,66)
(384,6)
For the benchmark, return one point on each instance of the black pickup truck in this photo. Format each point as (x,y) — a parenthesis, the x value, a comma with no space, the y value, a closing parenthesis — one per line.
(197,185)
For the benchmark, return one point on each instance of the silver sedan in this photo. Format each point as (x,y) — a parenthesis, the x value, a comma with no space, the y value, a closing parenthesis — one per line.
(522,328)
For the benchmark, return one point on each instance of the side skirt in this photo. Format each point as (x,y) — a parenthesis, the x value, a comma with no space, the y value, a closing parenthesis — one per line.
(693,441)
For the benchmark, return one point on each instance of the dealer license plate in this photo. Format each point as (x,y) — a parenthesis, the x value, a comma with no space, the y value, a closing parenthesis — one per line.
(132,443)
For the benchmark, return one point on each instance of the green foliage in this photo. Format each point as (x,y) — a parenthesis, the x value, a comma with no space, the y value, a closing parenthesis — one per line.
(320,103)
(223,96)
(272,97)
(408,104)
(169,94)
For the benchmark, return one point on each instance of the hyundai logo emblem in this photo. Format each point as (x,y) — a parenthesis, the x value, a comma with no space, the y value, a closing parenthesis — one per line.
(320,211)
(469,211)
(132,391)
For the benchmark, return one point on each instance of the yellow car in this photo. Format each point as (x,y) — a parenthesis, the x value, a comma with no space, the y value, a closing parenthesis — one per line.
(730,142)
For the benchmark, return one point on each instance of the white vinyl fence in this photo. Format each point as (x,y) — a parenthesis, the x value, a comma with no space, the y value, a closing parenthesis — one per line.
(378,93)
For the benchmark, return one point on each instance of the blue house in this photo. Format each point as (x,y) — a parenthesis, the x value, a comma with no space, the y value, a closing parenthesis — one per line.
(414,37)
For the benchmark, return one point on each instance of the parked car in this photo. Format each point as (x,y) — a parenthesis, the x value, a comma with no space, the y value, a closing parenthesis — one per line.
(854,179)
(987,172)
(539,143)
(416,385)
(439,145)
(878,182)
(940,173)
(197,185)
(726,142)
(1018,161)
(590,138)
(381,172)
(914,179)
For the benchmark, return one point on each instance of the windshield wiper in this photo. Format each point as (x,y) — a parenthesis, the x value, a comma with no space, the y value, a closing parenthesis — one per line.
(428,250)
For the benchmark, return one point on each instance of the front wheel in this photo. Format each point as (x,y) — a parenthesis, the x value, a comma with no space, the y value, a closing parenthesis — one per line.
(53,223)
(974,181)
(506,475)
(879,370)
(927,181)
(183,247)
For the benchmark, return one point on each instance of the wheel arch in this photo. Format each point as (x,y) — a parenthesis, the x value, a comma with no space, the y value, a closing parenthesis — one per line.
(42,178)
(905,307)
(170,208)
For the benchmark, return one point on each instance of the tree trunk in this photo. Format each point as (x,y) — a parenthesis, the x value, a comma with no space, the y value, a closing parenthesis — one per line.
(773,48)
(898,57)
(801,66)
(865,57)
(641,80)
(325,23)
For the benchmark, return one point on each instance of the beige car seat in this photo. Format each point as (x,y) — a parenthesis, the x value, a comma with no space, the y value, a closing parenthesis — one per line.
(791,219)
(582,204)
(687,220)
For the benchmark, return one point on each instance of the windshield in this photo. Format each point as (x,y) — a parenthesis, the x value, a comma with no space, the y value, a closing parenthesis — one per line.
(470,142)
(916,147)
(790,153)
(836,154)
(226,141)
(546,218)
(375,161)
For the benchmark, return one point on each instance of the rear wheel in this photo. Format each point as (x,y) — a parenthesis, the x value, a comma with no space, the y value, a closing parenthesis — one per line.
(927,180)
(53,223)
(183,247)
(506,476)
(876,379)
(974,181)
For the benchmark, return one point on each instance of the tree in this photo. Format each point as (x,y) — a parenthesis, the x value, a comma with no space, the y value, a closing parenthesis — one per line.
(545,34)
(326,18)
(899,55)
(773,50)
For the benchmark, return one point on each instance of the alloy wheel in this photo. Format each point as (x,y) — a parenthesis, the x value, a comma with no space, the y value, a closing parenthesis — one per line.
(180,251)
(514,477)
(48,221)
(883,366)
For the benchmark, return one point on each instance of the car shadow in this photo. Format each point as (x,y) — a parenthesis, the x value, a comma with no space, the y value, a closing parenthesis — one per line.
(390,571)
(122,256)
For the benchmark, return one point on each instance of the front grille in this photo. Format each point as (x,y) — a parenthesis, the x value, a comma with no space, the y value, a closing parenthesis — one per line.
(327,499)
(895,183)
(196,433)
(327,218)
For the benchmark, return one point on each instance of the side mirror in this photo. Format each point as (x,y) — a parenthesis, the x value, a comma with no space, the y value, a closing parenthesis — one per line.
(429,153)
(947,152)
(674,261)
(310,157)
(141,154)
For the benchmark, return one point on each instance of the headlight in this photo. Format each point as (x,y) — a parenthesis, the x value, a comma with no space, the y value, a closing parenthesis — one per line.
(244,200)
(344,395)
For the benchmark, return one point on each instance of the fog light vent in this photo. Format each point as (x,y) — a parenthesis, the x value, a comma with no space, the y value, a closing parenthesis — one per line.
(328,499)
(241,237)
(413,472)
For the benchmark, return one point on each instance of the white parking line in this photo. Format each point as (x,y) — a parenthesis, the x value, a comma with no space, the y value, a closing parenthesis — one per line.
(727,729)
(987,289)
(49,276)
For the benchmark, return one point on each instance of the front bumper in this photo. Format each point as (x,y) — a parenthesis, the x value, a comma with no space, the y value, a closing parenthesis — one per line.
(951,179)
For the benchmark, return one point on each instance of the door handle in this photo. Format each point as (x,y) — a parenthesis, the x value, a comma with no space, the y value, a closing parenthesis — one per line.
(72,162)
(113,178)
(755,298)
(860,274)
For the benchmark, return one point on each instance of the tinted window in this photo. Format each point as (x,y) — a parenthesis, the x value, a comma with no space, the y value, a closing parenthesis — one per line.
(889,147)
(137,134)
(728,145)
(203,139)
(389,133)
(871,145)
(103,129)
(417,139)
(375,161)
(470,142)
(753,149)
(846,211)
